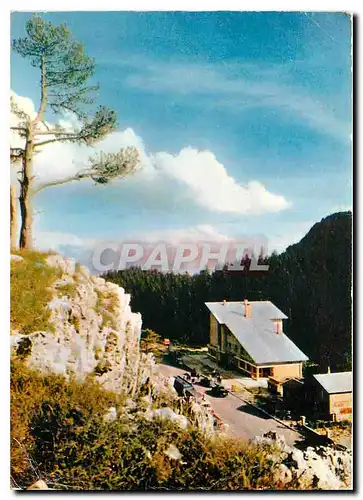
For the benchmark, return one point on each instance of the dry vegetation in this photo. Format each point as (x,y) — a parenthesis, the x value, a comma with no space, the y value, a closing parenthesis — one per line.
(107,306)
(30,292)
(59,434)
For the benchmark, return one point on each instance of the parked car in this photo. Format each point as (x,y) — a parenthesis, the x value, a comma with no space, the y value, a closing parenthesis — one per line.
(205,381)
(218,391)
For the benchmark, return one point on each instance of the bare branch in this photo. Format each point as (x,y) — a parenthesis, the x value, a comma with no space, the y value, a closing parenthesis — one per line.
(59,139)
(59,182)
(55,132)
(19,128)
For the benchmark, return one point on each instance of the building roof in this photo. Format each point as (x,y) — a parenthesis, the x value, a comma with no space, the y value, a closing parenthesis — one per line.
(257,334)
(335,383)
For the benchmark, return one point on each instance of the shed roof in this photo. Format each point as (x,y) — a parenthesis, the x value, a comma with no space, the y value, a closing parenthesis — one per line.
(335,383)
(257,334)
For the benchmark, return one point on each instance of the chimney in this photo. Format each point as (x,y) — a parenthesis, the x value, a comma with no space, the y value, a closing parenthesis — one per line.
(248,313)
(224,302)
(328,369)
(278,326)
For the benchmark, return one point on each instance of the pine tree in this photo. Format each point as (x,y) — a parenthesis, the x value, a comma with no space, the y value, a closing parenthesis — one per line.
(64,70)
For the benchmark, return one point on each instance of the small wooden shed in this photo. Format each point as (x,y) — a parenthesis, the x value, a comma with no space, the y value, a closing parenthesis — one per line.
(334,395)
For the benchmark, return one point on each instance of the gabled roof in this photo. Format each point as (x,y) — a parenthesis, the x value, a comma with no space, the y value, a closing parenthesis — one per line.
(335,383)
(257,334)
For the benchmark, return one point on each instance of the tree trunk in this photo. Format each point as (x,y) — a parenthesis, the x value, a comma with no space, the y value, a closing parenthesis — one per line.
(26,239)
(26,182)
(13,218)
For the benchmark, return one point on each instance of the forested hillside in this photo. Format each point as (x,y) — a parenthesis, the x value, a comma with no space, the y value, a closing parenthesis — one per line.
(310,282)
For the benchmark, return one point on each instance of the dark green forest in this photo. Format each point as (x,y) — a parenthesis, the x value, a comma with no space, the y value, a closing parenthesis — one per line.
(310,282)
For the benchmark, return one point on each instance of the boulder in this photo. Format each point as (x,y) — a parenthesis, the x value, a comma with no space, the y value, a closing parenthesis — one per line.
(168,414)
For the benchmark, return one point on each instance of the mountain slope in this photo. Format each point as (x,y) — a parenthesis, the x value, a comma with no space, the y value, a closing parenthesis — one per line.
(318,273)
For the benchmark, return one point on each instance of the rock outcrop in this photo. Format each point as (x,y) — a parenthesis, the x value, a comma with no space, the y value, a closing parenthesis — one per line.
(92,331)
(322,467)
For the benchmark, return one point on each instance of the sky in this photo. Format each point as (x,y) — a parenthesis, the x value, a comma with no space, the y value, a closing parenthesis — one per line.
(242,120)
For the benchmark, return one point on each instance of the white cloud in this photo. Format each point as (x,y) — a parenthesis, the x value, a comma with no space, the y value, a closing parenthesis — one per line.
(166,181)
(208,181)
(197,233)
(53,240)
(25,104)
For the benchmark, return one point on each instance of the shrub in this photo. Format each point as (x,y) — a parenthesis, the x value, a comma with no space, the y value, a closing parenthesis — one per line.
(59,433)
(150,341)
(106,305)
(32,396)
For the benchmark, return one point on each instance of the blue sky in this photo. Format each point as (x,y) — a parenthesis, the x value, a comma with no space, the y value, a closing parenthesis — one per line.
(215,100)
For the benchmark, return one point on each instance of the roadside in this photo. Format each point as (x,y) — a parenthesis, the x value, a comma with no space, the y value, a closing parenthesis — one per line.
(247,411)
(242,419)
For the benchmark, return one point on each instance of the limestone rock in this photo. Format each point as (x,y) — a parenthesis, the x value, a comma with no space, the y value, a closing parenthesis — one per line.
(111,415)
(16,258)
(173,452)
(66,265)
(89,336)
(168,414)
(314,468)
(39,485)
(282,474)
(94,332)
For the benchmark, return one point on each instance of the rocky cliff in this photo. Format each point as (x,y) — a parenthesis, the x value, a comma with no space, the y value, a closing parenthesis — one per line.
(91,330)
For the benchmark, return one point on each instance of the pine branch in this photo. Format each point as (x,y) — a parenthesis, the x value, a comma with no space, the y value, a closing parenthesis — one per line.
(102,168)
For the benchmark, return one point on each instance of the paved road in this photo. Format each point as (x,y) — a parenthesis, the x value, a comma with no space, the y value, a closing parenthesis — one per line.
(243,419)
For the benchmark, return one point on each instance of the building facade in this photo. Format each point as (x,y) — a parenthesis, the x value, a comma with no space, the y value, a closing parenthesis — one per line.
(249,336)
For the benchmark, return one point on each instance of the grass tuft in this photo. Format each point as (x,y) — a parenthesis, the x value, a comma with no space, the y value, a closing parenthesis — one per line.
(30,292)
